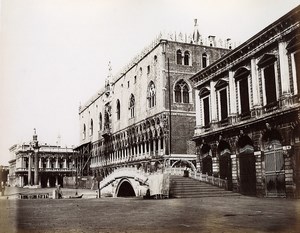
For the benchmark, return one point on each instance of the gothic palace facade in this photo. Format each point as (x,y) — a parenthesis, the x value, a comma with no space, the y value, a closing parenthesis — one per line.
(127,123)
(247,113)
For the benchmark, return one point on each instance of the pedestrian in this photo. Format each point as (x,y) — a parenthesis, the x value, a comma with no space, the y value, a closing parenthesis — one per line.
(59,192)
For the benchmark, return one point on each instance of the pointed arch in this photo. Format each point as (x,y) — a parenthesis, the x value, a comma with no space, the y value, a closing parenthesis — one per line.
(100,121)
(182,92)
(186,58)
(118,109)
(132,106)
(84,132)
(204,60)
(151,95)
(179,57)
(91,127)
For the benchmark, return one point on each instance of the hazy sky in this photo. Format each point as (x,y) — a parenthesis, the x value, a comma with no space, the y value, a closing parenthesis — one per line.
(54,54)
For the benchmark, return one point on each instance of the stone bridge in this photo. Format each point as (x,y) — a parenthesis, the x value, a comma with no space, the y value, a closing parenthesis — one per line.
(130,181)
(125,182)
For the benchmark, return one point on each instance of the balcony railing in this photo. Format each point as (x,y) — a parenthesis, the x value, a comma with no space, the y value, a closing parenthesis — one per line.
(47,169)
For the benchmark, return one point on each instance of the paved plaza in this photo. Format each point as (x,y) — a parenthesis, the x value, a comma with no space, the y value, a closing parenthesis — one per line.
(91,215)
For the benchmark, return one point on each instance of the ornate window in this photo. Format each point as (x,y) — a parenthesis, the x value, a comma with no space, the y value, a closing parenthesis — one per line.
(221,88)
(84,132)
(181,92)
(241,78)
(267,66)
(100,121)
(186,58)
(293,48)
(204,101)
(118,110)
(131,106)
(179,57)
(91,127)
(151,95)
(204,60)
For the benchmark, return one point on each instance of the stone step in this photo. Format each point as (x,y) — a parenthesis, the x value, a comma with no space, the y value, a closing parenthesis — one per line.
(185,187)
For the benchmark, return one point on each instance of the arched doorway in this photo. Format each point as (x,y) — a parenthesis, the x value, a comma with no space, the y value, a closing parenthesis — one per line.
(247,165)
(225,162)
(125,189)
(274,162)
(207,165)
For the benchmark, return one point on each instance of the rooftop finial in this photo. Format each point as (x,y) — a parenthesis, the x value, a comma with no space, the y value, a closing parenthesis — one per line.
(109,70)
(196,34)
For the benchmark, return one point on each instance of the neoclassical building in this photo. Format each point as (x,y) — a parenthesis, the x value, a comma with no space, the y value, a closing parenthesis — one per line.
(41,164)
(144,116)
(247,112)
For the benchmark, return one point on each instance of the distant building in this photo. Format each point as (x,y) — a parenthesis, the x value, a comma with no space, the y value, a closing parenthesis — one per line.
(3,174)
(247,107)
(56,165)
(127,123)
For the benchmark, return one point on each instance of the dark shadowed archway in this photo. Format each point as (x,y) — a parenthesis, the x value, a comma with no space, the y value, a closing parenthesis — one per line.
(125,190)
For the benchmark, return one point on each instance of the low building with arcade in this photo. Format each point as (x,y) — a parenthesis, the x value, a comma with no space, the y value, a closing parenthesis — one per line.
(41,165)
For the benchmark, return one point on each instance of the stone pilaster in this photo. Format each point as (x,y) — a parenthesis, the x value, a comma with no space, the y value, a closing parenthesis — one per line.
(260,177)
(234,172)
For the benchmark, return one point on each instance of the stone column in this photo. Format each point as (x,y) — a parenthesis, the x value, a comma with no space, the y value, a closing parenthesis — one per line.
(285,97)
(48,162)
(36,167)
(232,96)
(284,68)
(40,163)
(255,89)
(197,107)
(213,103)
(65,163)
(29,168)
(56,163)
(56,180)
(21,178)
(48,183)
(294,73)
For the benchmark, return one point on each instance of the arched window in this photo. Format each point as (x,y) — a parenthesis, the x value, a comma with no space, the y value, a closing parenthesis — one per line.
(267,69)
(100,121)
(91,127)
(118,110)
(84,132)
(131,105)
(186,58)
(179,57)
(151,95)
(181,92)
(241,78)
(204,60)
(221,88)
(204,100)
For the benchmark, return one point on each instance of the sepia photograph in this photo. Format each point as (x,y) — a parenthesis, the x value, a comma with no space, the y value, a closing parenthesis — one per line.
(161,116)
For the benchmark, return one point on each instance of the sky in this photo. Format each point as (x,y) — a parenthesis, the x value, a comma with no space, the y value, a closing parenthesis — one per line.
(54,54)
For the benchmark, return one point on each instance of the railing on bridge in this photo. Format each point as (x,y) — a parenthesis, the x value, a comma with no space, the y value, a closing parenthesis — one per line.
(216,181)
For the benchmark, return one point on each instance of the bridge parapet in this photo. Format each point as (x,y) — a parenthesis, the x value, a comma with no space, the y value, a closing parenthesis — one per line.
(125,172)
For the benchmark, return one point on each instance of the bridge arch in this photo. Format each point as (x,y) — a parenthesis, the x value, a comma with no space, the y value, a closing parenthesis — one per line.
(125,189)
(186,162)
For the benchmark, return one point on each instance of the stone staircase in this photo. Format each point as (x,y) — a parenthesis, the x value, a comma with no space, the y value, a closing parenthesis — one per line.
(185,187)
